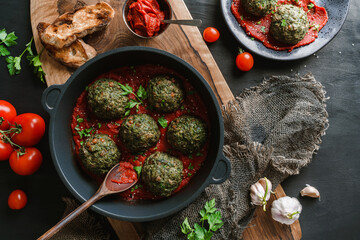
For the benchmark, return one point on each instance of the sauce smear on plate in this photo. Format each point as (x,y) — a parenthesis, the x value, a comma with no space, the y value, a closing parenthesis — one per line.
(258,27)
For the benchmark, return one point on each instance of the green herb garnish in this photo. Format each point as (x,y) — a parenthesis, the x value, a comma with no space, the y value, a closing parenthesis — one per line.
(7,40)
(163,122)
(138,169)
(199,232)
(85,132)
(263,29)
(191,167)
(283,22)
(310,6)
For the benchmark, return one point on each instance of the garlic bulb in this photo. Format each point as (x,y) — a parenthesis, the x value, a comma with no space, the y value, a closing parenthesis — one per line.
(286,210)
(260,192)
(310,191)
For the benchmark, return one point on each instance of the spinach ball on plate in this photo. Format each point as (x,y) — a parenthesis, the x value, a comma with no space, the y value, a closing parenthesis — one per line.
(165,93)
(106,99)
(187,134)
(99,154)
(289,24)
(258,7)
(139,132)
(162,173)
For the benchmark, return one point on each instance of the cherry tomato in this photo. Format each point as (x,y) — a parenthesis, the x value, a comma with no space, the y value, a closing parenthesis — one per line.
(27,163)
(7,114)
(31,129)
(211,34)
(244,61)
(5,149)
(17,199)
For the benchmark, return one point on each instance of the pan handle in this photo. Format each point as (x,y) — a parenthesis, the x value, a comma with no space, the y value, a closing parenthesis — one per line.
(50,97)
(222,170)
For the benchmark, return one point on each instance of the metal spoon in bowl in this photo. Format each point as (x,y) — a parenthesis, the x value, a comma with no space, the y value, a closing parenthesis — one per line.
(107,187)
(190,22)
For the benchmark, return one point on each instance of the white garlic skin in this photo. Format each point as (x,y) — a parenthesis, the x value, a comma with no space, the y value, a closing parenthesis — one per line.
(283,207)
(310,191)
(258,189)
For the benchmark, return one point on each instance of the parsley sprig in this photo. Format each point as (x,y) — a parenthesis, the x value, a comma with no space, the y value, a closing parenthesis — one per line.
(140,95)
(163,122)
(7,40)
(14,63)
(210,214)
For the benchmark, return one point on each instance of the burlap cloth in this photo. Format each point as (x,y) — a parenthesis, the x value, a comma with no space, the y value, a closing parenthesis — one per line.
(271,130)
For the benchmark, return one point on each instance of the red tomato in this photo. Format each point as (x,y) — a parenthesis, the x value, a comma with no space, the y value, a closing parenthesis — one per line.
(27,163)
(32,129)
(244,61)
(7,114)
(17,199)
(211,34)
(5,149)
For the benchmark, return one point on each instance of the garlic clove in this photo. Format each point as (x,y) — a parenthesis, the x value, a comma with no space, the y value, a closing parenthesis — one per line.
(310,191)
(286,210)
(260,192)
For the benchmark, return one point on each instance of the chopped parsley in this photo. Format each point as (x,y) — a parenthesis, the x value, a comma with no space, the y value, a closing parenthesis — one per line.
(283,22)
(84,132)
(163,122)
(191,167)
(138,169)
(263,29)
(310,6)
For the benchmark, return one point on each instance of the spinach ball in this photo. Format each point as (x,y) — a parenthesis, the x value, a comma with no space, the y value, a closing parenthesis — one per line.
(99,154)
(162,173)
(289,24)
(165,93)
(139,132)
(259,7)
(186,134)
(106,99)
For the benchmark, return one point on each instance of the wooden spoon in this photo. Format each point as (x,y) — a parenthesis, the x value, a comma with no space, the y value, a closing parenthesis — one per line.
(107,187)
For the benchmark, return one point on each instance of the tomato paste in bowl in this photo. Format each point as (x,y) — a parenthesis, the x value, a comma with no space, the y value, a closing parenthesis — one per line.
(143,17)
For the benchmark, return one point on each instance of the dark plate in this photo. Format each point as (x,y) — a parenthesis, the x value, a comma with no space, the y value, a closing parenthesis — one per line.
(337,11)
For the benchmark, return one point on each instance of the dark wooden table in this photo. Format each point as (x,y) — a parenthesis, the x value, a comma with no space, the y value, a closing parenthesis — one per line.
(335,170)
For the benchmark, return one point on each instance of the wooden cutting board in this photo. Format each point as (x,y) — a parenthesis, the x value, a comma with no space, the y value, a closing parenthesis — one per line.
(183,41)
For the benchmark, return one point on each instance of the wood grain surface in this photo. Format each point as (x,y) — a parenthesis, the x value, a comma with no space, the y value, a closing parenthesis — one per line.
(183,41)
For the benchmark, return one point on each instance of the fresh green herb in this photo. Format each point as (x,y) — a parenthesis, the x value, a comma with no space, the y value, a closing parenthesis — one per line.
(263,29)
(258,23)
(283,22)
(191,167)
(142,92)
(189,174)
(8,40)
(190,156)
(163,122)
(199,154)
(241,17)
(155,148)
(182,107)
(272,12)
(84,132)
(199,232)
(14,63)
(132,190)
(79,119)
(310,6)
(252,39)
(99,125)
(82,143)
(127,113)
(138,169)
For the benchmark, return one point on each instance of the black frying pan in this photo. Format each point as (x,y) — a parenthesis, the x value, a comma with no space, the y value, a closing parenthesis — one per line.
(59,101)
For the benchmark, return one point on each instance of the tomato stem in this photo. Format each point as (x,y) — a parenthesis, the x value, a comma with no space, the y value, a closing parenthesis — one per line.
(241,50)
(7,139)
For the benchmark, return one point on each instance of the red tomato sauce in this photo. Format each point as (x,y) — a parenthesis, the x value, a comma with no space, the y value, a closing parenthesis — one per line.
(145,17)
(126,173)
(135,76)
(258,27)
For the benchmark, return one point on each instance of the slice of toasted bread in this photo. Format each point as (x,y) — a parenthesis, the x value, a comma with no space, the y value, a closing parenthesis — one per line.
(74,25)
(72,56)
